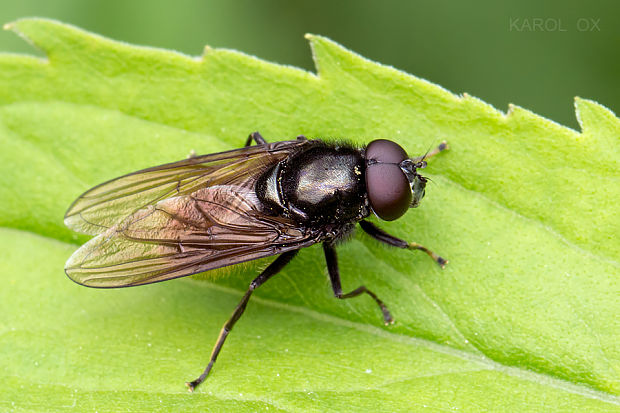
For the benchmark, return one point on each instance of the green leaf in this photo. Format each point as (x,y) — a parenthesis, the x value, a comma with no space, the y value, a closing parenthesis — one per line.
(523,318)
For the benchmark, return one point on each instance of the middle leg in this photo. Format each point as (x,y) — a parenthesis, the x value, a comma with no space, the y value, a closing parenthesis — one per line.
(334,277)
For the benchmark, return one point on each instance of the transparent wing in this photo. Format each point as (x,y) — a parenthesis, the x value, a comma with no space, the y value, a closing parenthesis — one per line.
(184,235)
(180,228)
(105,205)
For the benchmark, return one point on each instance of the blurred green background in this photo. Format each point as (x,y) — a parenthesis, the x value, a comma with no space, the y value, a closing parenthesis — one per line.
(535,54)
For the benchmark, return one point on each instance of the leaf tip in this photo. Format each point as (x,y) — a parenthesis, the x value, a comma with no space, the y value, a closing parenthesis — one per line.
(313,39)
(511,109)
(207,50)
(317,39)
(583,104)
(330,57)
(595,118)
(30,30)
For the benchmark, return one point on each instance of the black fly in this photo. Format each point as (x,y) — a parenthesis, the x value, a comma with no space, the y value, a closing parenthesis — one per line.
(215,210)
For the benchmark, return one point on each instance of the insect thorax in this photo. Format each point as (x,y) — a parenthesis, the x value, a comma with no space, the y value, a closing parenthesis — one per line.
(321,185)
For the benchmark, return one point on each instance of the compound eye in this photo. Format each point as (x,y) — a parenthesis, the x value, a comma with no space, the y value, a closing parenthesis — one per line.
(384,151)
(388,188)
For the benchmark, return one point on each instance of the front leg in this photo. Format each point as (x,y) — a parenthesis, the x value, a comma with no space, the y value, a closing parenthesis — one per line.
(380,235)
(334,277)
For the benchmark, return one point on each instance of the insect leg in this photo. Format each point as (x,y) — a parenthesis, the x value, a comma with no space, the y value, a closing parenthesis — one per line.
(270,271)
(256,137)
(334,276)
(380,235)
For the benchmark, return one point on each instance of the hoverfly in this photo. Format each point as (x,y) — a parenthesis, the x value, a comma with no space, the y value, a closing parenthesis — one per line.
(211,211)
